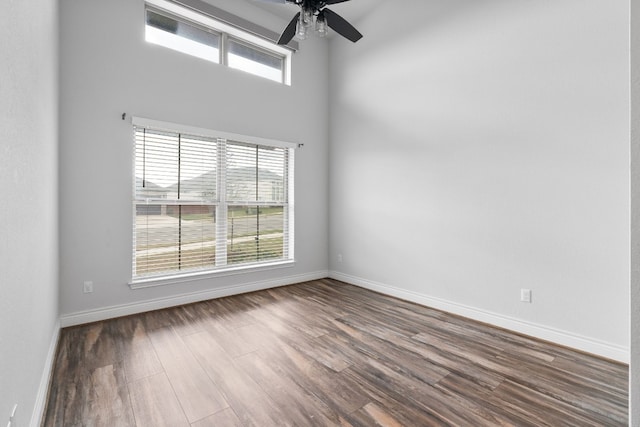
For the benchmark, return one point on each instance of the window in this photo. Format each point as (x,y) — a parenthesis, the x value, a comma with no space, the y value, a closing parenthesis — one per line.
(199,35)
(243,56)
(182,36)
(209,201)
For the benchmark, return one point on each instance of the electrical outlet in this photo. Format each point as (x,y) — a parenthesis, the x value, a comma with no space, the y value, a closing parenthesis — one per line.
(339,257)
(525,295)
(88,287)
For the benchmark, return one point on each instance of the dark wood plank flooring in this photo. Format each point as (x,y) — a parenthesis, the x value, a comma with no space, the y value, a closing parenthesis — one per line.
(323,353)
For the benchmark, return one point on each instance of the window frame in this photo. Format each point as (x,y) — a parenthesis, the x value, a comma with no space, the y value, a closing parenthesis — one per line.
(225,31)
(221,205)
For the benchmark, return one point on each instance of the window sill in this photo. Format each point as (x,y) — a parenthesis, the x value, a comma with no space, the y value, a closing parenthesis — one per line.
(208,274)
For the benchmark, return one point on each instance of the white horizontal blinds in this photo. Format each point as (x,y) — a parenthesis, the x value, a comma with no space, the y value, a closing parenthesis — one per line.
(198,163)
(175,202)
(256,173)
(256,182)
(203,201)
(156,163)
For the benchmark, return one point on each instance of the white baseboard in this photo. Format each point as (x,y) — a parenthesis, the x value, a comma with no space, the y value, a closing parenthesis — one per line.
(43,389)
(564,338)
(96,315)
(568,339)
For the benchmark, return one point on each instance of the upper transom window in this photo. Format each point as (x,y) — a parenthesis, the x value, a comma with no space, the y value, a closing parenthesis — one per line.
(176,27)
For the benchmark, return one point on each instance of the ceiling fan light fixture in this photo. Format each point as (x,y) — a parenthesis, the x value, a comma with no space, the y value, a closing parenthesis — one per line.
(321,26)
(307,16)
(301,29)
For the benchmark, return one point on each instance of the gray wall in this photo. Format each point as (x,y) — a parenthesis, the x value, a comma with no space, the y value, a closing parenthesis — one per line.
(106,69)
(481,147)
(29,210)
(635,216)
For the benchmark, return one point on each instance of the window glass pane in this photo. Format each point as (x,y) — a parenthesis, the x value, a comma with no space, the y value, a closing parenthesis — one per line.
(174,166)
(172,238)
(198,160)
(241,172)
(255,61)
(272,164)
(255,233)
(182,36)
(156,164)
(255,173)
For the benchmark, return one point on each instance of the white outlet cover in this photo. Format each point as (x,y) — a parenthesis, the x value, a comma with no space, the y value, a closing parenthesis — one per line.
(88,287)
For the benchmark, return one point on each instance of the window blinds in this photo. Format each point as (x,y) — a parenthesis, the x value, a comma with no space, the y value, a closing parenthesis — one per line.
(205,203)
(256,180)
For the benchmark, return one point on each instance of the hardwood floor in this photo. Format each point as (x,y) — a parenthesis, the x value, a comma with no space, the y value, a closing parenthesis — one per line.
(323,353)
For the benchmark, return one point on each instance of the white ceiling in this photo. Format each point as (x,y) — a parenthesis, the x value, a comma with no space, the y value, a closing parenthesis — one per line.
(351,10)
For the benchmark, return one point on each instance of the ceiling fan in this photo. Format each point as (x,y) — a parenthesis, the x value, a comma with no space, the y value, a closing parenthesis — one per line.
(315,9)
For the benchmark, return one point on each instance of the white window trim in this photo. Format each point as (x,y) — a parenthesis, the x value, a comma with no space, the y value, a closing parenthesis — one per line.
(193,130)
(230,30)
(176,278)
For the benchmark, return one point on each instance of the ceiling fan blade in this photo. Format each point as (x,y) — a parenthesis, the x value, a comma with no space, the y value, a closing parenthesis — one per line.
(341,26)
(333,1)
(276,1)
(290,31)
